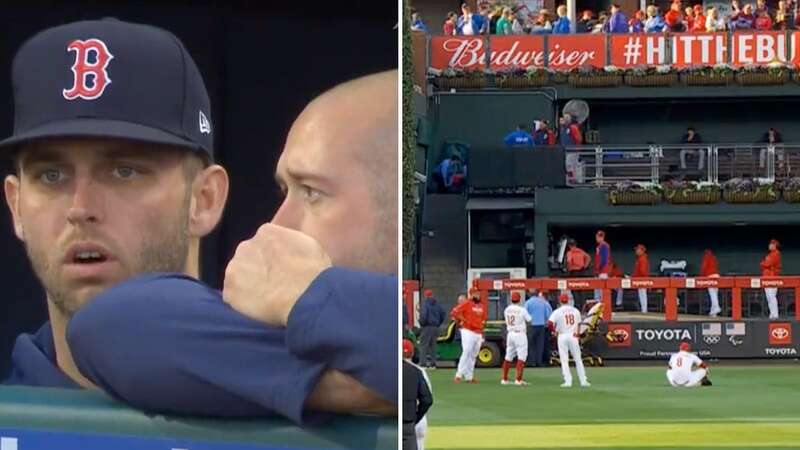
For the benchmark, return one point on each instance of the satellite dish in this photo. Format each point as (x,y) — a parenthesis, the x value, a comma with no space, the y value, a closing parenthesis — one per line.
(578,109)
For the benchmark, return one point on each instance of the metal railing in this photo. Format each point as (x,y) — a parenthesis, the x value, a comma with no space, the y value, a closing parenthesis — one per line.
(605,164)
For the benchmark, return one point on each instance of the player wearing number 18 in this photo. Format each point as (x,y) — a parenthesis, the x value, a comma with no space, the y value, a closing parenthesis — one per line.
(516,340)
(564,323)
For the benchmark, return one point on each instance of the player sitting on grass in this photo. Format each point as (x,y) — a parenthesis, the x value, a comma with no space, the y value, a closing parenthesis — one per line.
(516,339)
(681,372)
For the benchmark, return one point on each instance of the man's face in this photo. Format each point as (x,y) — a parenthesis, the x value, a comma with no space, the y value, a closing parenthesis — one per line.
(598,238)
(94,212)
(330,191)
(772,247)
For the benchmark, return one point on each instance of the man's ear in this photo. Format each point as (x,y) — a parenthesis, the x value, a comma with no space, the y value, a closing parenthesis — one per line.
(11,187)
(209,194)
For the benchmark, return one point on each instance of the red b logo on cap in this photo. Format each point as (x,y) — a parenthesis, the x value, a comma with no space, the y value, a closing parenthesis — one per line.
(83,68)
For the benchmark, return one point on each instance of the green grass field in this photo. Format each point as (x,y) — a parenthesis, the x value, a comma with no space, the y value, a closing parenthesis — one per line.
(626,407)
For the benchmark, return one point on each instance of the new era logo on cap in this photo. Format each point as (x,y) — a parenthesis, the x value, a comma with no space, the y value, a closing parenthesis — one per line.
(62,84)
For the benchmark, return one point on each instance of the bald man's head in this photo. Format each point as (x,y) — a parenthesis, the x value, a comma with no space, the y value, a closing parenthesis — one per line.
(339,172)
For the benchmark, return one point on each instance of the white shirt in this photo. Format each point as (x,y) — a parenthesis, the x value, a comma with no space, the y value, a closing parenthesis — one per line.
(516,316)
(681,364)
(466,29)
(566,319)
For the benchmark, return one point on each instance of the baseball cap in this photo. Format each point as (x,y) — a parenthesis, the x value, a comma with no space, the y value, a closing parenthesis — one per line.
(563,298)
(515,297)
(684,347)
(428,293)
(408,348)
(109,79)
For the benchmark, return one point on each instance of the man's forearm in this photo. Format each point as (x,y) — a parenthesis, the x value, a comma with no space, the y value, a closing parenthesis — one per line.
(337,392)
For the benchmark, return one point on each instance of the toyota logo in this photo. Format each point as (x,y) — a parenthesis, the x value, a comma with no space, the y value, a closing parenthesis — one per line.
(780,333)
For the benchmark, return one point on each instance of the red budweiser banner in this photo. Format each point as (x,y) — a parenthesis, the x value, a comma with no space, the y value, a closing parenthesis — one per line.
(565,52)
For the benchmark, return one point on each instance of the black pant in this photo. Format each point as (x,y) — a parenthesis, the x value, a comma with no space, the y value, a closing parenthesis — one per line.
(537,346)
(427,346)
(409,436)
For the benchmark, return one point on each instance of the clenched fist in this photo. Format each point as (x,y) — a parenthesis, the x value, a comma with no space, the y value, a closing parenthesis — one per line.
(270,271)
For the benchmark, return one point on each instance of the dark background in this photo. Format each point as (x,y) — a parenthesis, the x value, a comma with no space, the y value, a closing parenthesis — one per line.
(261,63)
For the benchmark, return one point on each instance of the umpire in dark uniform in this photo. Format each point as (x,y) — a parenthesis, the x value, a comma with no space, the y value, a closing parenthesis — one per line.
(430,319)
(417,397)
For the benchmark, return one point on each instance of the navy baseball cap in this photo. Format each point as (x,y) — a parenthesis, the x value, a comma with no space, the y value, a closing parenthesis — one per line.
(109,79)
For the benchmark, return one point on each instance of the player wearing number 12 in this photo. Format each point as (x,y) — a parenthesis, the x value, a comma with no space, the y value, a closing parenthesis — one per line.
(516,339)
(564,323)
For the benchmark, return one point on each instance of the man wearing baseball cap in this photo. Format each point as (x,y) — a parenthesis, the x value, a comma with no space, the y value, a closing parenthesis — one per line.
(771,267)
(565,324)
(685,369)
(417,399)
(471,317)
(642,270)
(114,188)
(516,318)
(430,319)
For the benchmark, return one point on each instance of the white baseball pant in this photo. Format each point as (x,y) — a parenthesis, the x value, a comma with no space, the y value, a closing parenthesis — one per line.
(516,346)
(643,299)
(598,293)
(421,430)
(772,301)
(682,378)
(470,346)
(567,343)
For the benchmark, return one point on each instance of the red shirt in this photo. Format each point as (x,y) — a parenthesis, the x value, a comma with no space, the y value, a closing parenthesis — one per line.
(763,23)
(449,28)
(471,315)
(672,17)
(699,25)
(709,265)
(577,260)
(642,268)
(771,264)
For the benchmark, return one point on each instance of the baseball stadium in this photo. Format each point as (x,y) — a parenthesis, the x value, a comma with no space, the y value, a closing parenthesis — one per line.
(647,180)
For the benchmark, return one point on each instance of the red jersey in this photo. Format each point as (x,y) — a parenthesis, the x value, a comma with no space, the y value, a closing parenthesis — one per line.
(709,265)
(699,24)
(449,28)
(771,264)
(672,17)
(763,23)
(642,268)
(470,315)
(577,260)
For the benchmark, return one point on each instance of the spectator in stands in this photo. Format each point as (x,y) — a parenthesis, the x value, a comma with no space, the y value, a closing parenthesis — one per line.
(602,259)
(562,24)
(654,23)
(617,23)
(771,267)
(449,174)
(542,25)
(770,137)
(601,24)
(417,24)
(468,23)
(642,269)
(674,17)
(761,6)
(517,27)
(713,21)
(505,22)
(688,18)
(586,22)
(636,24)
(542,134)
(744,20)
(780,16)
(485,11)
(691,137)
(709,267)
(449,27)
(763,21)
(699,20)
(569,133)
(539,309)
(519,138)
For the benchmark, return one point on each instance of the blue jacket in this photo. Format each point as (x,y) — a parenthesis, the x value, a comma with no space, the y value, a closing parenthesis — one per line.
(432,314)
(561,26)
(617,23)
(655,25)
(166,342)
(518,138)
(479,24)
(539,309)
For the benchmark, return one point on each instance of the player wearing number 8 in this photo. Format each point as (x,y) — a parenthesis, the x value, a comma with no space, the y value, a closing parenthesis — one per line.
(564,322)
(681,372)
(516,340)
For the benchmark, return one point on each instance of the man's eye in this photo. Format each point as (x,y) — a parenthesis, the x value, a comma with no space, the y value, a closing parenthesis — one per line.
(311,194)
(51,176)
(124,172)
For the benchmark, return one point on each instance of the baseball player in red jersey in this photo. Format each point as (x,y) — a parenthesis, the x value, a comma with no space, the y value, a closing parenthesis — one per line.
(771,267)
(471,315)
(709,267)
(642,269)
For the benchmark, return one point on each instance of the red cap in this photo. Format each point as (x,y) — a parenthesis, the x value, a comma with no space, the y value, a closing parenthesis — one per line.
(428,293)
(698,8)
(684,347)
(563,298)
(408,348)
(776,242)
(515,296)
(640,246)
